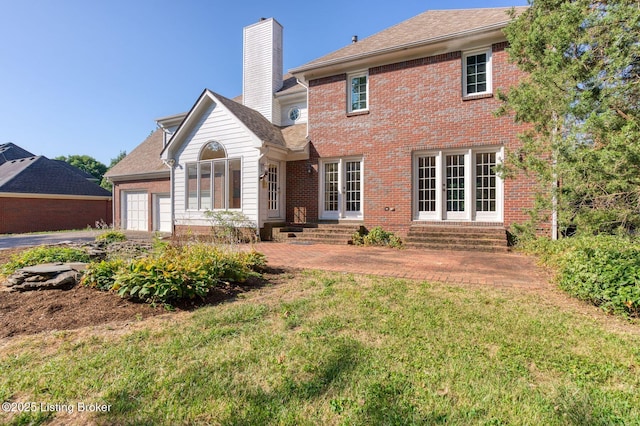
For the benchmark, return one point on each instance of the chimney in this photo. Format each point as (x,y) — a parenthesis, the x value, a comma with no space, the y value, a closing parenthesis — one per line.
(262,66)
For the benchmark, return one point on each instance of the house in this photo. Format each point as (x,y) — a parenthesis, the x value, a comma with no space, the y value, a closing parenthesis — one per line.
(396,130)
(39,194)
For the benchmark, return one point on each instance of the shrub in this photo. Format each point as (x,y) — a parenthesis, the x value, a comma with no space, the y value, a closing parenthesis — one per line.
(44,254)
(102,275)
(174,273)
(231,227)
(603,269)
(377,237)
(111,237)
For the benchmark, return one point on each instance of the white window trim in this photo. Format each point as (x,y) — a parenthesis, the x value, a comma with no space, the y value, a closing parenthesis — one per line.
(470,164)
(226,161)
(489,90)
(350,77)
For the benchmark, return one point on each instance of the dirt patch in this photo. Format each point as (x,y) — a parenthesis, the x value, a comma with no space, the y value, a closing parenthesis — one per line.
(33,312)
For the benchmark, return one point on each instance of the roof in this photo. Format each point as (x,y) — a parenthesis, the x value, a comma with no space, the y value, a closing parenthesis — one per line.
(74,169)
(10,151)
(40,175)
(427,28)
(255,122)
(143,160)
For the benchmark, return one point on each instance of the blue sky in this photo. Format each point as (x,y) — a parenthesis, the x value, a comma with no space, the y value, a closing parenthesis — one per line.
(89,77)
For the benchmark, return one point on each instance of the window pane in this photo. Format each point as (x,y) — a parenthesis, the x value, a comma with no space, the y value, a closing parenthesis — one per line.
(235,193)
(205,186)
(358,93)
(485,182)
(427,184)
(192,186)
(219,184)
(476,73)
(212,151)
(331,187)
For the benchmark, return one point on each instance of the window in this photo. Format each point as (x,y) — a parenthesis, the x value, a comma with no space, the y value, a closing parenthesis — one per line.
(476,73)
(358,92)
(214,182)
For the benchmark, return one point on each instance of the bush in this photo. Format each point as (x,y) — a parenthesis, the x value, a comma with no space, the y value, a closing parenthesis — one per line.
(44,254)
(377,237)
(111,237)
(603,269)
(101,275)
(177,272)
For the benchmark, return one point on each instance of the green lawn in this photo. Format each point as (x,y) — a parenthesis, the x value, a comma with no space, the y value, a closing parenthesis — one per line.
(326,348)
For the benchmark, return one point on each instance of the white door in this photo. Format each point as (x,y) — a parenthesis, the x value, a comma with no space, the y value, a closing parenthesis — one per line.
(456,202)
(341,189)
(162,215)
(136,211)
(273,190)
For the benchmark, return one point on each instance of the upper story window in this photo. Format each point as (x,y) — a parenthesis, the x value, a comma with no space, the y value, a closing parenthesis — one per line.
(358,92)
(214,182)
(476,79)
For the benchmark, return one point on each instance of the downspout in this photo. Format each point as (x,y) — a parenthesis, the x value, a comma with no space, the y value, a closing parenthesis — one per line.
(308,115)
(554,189)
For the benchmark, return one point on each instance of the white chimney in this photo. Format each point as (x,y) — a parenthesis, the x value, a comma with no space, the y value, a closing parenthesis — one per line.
(262,66)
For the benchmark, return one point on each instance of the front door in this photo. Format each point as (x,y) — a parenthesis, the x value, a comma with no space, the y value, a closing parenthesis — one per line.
(341,189)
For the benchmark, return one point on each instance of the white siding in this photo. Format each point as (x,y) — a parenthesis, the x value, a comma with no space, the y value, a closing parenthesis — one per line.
(262,66)
(286,107)
(217,124)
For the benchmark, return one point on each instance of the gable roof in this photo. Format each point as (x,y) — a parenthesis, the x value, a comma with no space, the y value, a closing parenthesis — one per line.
(254,122)
(10,151)
(143,161)
(427,28)
(40,175)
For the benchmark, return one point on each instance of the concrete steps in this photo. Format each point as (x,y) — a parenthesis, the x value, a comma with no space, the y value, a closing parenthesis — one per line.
(443,237)
(325,233)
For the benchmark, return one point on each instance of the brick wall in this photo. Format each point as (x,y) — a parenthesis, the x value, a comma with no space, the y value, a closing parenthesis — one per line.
(151,186)
(18,215)
(413,105)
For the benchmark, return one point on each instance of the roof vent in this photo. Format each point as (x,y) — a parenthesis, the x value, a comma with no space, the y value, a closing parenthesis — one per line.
(354,39)
(262,19)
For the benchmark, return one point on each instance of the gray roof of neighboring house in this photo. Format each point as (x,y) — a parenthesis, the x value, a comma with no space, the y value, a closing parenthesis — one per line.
(144,159)
(423,29)
(10,151)
(74,169)
(40,175)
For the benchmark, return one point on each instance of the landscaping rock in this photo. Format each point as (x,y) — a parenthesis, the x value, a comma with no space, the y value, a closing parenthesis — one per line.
(47,276)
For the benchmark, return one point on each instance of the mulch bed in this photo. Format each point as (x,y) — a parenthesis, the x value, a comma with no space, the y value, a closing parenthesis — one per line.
(37,311)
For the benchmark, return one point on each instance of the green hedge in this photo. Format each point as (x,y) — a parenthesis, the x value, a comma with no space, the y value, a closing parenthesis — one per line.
(603,269)
(43,254)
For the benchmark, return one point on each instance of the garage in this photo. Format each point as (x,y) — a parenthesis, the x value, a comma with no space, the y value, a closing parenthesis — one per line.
(162,217)
(136,211)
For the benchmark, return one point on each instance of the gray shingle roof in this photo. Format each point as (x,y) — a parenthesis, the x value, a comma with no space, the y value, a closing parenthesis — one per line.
(144,159)
(40,175)
(10,151)
(423,29)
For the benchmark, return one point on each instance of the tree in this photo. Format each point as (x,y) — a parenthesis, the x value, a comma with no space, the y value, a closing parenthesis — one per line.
(85,163)
(104,182)
(581,99)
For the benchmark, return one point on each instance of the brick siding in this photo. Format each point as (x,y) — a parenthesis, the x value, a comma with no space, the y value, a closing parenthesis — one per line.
(413,105)
(18,215)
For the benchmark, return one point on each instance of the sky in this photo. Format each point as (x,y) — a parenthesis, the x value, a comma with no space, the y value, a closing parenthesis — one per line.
(90,77)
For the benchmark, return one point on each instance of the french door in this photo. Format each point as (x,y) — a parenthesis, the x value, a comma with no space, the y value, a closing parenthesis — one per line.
(341,189)
(273,189)
(458,185)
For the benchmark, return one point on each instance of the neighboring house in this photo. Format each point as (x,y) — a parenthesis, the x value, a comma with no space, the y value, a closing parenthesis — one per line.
(395,130)
(39,194)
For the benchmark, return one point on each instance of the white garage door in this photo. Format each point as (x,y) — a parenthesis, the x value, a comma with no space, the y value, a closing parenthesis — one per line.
(136,207)
(163,213)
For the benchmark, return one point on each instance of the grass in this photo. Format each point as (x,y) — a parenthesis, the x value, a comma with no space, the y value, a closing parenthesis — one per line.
(327,348)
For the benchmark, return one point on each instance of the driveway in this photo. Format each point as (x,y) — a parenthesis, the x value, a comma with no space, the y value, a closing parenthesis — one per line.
(27,240)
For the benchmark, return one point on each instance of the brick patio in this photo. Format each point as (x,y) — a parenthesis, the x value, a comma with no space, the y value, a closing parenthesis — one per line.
(498,269)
